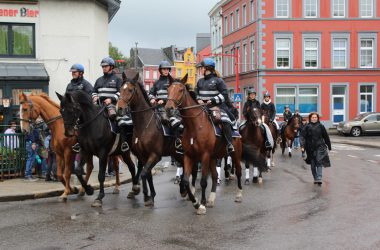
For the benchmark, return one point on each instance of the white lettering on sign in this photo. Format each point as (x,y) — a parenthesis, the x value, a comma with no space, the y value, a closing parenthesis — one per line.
(22,12)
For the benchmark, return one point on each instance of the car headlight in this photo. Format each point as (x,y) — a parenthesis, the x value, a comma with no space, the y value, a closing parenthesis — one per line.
(347,125)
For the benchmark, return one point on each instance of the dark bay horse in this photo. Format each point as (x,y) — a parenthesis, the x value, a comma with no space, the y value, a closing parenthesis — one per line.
(289,133)
(148,141)
(200,143)
(41,105)
(254,150)
(92,128)
(273,130)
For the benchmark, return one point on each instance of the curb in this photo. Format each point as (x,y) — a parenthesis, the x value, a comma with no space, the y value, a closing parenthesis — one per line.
(56,192)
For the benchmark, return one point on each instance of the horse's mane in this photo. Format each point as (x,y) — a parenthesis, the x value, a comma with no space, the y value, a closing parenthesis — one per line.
(47,98)
(83,98)
(143,91)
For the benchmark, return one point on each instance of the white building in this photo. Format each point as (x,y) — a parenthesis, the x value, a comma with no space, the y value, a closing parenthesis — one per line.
(41,39)
(216,30)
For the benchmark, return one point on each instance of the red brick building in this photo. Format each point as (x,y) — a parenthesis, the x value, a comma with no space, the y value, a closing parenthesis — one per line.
(310,54)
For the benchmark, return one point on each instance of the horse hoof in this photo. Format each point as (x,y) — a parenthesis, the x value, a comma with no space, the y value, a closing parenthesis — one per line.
(63,197)
(201,210)
(290,154)
(239,196)
(232,177)
(131,195)
(149,203)
(246,182)
(81,193)
(255,179)
(75,190)
(116,191)
(136,189)
(260,180)
(89,190)
(210,204)
(183,195)
(96,203)
(273,165)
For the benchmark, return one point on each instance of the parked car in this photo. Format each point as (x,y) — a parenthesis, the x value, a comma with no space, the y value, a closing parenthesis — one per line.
(362,124)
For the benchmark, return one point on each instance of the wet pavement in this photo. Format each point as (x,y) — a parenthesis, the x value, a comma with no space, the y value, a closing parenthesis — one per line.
(287,211)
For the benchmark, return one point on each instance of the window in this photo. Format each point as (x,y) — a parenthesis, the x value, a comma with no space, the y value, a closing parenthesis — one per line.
(366,53)
(232,62)
(231,22)
(283,53)
(366,98)
(179,72)
(155,75)
(147,74)
(310,8)
(244,15)
(311,53)
(213,40)
(282,8)
(285,96)
(303,98)
(226,64)
(17,40)
(308,100)
(252,10)
(220,36)
(339,8)
(225,25)
(252,44)
(237,19)
(339,53)
(366,8)
(244,58)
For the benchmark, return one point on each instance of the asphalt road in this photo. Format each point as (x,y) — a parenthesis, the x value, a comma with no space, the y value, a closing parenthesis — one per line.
(287,211)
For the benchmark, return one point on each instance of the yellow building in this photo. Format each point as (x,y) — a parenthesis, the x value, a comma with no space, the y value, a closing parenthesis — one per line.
(186,65)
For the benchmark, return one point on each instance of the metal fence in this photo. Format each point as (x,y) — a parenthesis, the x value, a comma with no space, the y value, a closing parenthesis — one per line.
(12,155)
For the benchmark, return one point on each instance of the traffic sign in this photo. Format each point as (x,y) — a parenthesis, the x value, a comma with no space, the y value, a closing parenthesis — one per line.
(238,97)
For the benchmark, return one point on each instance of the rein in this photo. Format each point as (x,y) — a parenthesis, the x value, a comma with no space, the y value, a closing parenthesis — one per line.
(179,103)
(55,118)
(86,123)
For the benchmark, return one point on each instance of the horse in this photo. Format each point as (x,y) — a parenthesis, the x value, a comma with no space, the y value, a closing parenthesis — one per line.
(148,141)
(254,150)
(289,133)
(273,130)
(200,143)
(41,105)
(91,126)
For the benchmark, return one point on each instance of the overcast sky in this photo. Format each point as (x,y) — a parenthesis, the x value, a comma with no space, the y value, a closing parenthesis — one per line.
(159,23)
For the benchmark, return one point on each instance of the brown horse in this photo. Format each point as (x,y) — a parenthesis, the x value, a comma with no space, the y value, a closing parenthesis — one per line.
(42,105)
(289,133)
(200,143)
(273,130)
(254,150)
(148,142)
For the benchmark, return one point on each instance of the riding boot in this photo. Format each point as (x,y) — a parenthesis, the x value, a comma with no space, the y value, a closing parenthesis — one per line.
(267,143)
(227,131)
(177,129)
(111,111)
(124,145)
(76,147)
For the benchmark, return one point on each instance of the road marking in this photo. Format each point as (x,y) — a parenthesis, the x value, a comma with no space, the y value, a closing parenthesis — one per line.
(377,155)
(346,147)
(352,156)
(372,161)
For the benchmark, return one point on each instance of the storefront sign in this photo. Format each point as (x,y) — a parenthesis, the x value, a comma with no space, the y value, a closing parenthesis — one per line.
(22,12)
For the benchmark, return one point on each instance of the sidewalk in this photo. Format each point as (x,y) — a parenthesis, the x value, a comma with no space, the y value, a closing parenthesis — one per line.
(371,141)
(18,189)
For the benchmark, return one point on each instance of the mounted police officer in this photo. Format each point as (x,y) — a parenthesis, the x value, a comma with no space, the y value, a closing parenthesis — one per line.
(212,90)
(107,92)
(268,107)
(252,103)
(158,94)
(287,114)
(78,83)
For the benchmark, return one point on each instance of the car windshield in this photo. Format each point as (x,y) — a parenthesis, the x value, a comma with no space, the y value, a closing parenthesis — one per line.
(359,117)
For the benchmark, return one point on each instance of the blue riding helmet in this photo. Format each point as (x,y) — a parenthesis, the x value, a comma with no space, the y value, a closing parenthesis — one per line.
(108,61)
(208,62)
(77,67)
(267,94)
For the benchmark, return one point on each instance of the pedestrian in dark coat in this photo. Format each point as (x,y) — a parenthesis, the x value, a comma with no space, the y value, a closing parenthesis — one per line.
(316,141)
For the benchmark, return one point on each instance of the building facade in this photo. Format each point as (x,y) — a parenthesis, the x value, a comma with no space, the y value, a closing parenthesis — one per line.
(41,39)
(216,26)
(312,55)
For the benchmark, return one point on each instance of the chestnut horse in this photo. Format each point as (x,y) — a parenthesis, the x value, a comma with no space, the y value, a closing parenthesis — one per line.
(200,143)
(42,105)
(148,142)
(254,150)
(289,133)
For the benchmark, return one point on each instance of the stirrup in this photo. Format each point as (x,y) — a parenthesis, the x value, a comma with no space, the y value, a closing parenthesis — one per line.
(178,144)
(76,147)
(268,145)
(124,147)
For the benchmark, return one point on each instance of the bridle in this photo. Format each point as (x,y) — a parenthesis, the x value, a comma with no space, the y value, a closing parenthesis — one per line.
(254,122)
(31,109)
(77,125)
(128,102)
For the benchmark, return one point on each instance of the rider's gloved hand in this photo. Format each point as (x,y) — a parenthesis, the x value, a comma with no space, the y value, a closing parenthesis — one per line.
(200,101)
(153,101)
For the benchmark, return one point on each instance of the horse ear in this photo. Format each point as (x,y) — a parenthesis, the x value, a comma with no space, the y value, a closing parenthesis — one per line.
(22,97)
(60,97)
(136,78)
(184,79)
(124,77)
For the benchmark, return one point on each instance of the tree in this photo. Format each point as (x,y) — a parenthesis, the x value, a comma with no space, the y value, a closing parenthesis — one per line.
(118,56)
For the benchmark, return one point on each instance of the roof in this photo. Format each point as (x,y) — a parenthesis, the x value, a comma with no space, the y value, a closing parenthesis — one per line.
(112,5)
(23,71)
(151,56)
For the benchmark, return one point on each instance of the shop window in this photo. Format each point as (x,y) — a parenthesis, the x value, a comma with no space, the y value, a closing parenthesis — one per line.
(17,40)
(366,98)
(303,98)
